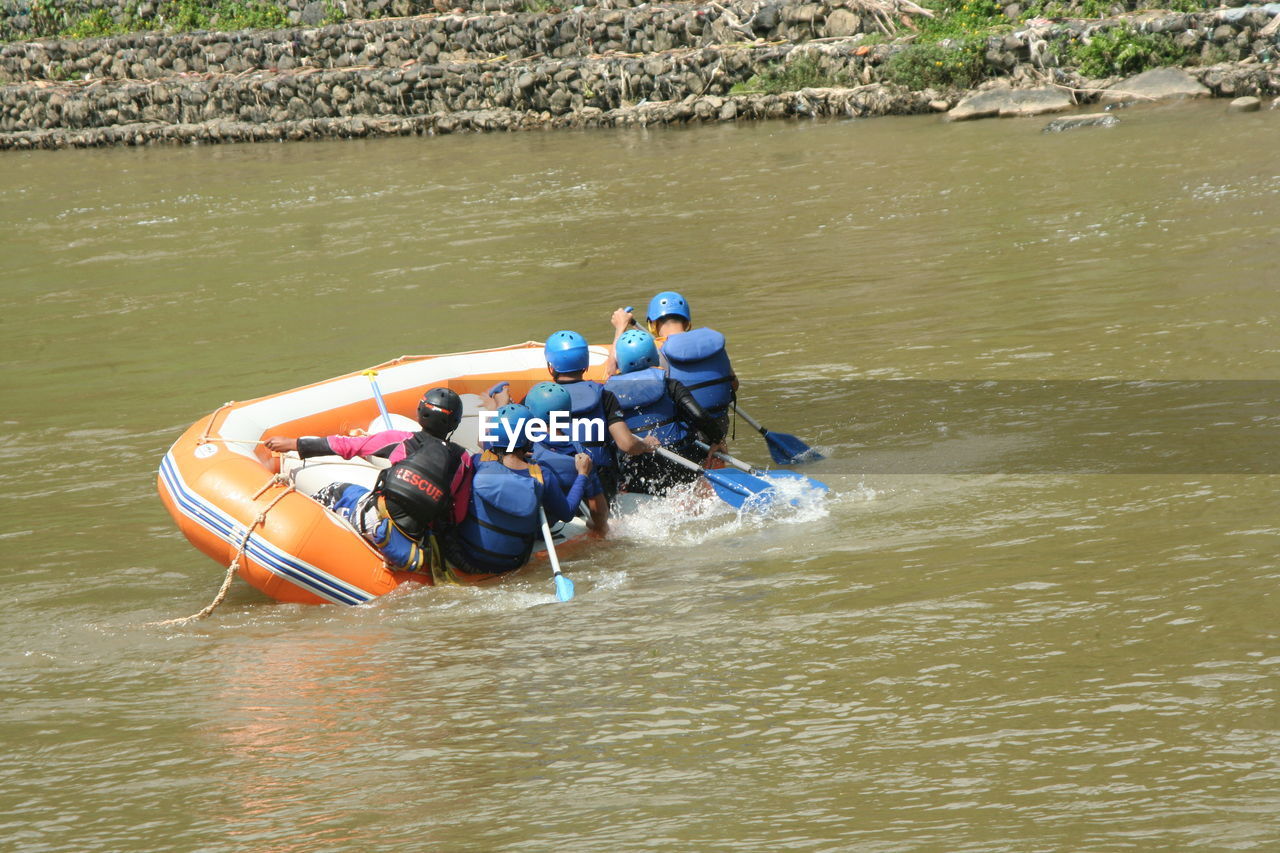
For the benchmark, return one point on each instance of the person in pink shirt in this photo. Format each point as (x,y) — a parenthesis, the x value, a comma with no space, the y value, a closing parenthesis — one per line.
(426,489)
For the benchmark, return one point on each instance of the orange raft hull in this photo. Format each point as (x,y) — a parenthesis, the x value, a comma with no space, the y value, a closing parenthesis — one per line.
(222,486)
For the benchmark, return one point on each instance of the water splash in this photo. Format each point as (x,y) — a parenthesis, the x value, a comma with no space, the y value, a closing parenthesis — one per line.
(689,516)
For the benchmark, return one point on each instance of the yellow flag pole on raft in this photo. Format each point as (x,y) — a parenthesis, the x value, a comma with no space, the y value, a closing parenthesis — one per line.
(377,396)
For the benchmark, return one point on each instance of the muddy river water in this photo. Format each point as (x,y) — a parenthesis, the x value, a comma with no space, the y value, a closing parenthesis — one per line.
(1038,612)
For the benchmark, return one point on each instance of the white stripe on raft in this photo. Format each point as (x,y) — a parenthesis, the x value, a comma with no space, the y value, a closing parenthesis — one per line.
(278,562)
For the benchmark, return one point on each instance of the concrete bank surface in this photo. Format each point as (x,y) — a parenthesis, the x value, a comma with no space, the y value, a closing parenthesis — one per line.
(495,67)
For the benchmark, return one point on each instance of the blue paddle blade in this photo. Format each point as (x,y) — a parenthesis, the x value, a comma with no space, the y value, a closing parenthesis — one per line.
(564,588)
(738,488)
(786,449)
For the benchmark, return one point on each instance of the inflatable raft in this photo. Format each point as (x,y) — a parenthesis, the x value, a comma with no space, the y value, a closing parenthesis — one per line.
(235,500)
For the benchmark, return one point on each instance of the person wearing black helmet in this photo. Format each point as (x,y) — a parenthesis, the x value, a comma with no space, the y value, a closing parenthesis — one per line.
(426,488)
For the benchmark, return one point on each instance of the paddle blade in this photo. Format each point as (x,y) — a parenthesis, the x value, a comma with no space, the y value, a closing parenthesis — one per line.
(564,588)
(786,449)
(739,489)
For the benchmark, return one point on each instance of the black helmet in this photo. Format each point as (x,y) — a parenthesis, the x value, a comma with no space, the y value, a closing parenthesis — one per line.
(440,412)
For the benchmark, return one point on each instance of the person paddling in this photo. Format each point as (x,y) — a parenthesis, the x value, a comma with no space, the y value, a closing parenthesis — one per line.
(657,405)
(695,357)
(549,401)
(567,358)
(425,490)
(502,522)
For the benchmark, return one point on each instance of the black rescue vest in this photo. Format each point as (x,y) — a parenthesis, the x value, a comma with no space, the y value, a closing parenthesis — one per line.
(416,491)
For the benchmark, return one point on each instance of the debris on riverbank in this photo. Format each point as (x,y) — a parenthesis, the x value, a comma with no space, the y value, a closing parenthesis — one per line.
(607,67)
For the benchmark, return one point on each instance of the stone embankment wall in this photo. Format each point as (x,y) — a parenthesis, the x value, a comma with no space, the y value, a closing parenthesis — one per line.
(28,19)
(591,67)
(437,38)
(22,19)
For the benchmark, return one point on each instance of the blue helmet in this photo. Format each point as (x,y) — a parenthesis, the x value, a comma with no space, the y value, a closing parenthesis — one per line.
(547,397)
(668,303)
(635,350)
(511,421)
(567,352)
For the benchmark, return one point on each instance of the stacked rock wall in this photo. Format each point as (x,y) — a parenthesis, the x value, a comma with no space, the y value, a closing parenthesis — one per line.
(436,38)
(29,19)
(671,63)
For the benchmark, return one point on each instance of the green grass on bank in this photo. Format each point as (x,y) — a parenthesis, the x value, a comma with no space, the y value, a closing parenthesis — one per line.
(950,49)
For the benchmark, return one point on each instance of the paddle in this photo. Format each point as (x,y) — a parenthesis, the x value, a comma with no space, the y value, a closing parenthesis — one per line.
(733,487)
(775,474)
(785,449)
(377,396)
(564,586)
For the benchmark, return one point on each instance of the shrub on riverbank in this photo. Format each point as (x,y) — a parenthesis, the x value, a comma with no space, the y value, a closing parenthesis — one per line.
(950,50)
(1123,50)
(960,63)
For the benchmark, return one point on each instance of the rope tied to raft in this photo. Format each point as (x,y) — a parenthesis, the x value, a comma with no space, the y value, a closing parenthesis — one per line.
(208,429)
(260,519)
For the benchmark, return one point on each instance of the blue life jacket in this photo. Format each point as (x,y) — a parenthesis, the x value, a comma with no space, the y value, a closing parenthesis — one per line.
(400,551)
(584,397)
(561,464)
(646,404)
(498,533)
(698,359)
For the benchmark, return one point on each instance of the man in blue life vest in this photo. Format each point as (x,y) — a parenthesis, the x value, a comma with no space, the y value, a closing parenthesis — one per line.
(502,522)
(553,404)
(656,404)
(696,357)
(567,358)
(424,491)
